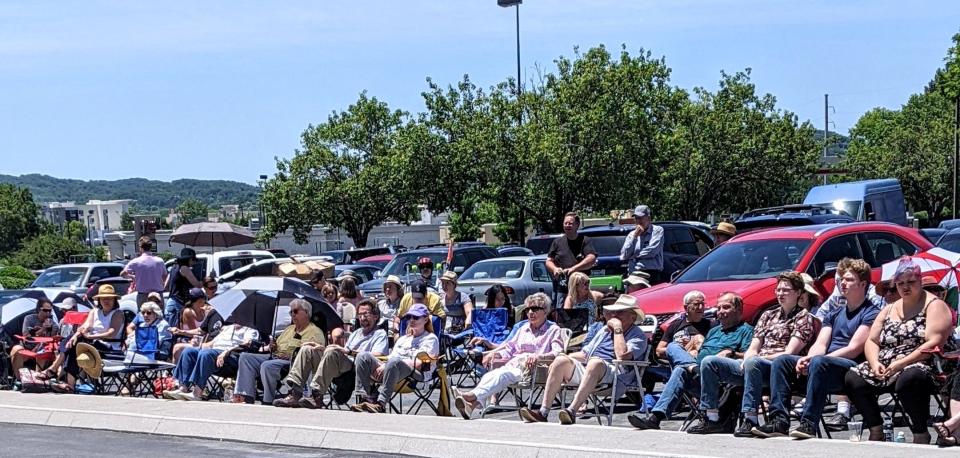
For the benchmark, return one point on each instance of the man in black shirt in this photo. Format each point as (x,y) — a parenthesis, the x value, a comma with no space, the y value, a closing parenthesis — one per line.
(569,253)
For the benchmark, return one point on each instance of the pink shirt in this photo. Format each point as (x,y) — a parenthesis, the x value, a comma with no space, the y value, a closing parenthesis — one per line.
(548,340)
(148,271)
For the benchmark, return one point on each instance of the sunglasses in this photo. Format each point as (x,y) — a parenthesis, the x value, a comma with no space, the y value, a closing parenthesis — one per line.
(294,312)
(149,313)
(535,309)
(47,310)
(411,317)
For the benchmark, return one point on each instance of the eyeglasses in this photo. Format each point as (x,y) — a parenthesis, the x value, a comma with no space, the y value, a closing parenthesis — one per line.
(784,290)
(147,312)
(412,317)
(364,314)
(294,312)
(47,310)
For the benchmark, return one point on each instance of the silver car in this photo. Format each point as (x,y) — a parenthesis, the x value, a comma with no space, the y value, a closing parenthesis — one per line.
(523,275)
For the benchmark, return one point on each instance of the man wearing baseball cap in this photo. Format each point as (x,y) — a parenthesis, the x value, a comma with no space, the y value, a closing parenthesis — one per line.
(620,339)
(643,247)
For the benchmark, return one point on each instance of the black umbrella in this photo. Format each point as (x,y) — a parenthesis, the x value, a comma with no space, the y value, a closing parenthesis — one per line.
(254,301)
(212,235)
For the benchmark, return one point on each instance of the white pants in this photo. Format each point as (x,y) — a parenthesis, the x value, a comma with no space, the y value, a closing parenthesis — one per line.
(495,381)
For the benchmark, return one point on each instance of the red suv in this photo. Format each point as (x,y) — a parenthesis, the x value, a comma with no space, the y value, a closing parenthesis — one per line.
(749,264)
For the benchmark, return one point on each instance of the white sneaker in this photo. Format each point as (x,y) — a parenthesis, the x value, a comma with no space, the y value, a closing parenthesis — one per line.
(171,394)
(180,395)
(188,397)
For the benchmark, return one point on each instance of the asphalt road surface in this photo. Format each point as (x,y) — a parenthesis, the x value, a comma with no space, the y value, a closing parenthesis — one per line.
(46,441)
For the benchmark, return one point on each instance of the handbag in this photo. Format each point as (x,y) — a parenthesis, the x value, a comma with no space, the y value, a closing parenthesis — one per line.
(163,384)
(29,383)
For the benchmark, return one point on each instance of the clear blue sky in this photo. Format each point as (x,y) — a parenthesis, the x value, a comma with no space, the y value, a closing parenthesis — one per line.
(216,89)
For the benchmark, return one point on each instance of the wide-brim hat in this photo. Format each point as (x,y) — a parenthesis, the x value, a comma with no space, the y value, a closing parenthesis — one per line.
(930,283)
(626,302)
(636,280)
(106,291)
(450,276)
(187,253)
(88,360)
(393,279)
(808,285)
(725,228)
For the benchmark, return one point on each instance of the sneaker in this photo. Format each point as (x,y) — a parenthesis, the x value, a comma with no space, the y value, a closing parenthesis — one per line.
(648,422)
(290,401)
(706,427)
(805,430)
(374,407)
(180,395)
(312,402)
(532,416)
(188,397)
(567,417)
(776,427)
(838,422)
(745,429)
(171,394)
(465,408)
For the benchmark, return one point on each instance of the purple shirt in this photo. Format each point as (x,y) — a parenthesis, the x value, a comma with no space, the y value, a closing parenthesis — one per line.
(148,271)
(546,340)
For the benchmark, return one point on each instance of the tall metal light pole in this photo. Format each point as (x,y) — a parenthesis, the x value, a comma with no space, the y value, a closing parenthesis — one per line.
(522,229)
(262,181)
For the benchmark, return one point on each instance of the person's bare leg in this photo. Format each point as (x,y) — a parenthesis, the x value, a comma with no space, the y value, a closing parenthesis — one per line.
(561,370)
(876,434)
(953,421)
(16,361)
(596,369)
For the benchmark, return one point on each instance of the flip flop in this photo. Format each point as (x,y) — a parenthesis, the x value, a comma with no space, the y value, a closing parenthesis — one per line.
(945,437)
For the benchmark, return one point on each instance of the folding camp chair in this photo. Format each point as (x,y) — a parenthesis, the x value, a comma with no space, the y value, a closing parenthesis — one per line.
(605,393)
(490,324)
(136,371)
(433,378)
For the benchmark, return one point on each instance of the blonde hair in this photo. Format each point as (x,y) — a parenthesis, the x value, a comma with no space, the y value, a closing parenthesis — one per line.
(576,279)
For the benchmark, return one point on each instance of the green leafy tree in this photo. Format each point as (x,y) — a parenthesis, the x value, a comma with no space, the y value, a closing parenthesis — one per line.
(126,221)
(351,173)
(19,217)
(75,230)
(191,210)
(48,249)
(15,277)
(734,150)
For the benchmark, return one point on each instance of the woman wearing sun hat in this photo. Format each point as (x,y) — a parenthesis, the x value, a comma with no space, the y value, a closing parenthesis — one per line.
(102,330)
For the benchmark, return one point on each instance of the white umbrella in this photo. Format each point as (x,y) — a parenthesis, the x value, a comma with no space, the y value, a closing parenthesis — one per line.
(926,265)
(17,308)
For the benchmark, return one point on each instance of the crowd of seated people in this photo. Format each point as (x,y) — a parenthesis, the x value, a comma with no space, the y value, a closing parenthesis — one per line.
(859,343)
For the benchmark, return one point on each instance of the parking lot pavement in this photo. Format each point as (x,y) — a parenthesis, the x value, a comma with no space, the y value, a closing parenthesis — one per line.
(421,435)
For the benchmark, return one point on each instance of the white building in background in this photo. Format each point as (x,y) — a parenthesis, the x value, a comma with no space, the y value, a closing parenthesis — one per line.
(99,216)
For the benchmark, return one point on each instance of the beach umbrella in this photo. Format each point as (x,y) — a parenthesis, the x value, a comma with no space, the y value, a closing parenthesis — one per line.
(212,235)
(254,302)
(13,313)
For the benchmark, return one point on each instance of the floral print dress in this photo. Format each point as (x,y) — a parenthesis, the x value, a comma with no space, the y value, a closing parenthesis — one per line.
(898,338)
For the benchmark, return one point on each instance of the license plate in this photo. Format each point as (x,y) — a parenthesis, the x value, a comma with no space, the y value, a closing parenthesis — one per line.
(598,272)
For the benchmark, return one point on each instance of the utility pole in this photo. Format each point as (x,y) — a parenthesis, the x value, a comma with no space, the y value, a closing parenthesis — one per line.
(826,130)
(956,151)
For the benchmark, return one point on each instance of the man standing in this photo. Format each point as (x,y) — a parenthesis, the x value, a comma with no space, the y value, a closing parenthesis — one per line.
(333,361)
(148,272)
(569,253)
(839,347)
(643,247)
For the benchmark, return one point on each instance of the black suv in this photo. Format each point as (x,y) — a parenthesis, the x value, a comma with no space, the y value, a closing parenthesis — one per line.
(682,244)
(464,256)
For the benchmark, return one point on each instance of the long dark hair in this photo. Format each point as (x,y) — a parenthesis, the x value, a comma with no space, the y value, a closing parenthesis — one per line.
(492,301)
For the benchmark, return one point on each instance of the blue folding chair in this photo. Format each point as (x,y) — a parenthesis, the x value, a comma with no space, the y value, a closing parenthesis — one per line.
(490,324)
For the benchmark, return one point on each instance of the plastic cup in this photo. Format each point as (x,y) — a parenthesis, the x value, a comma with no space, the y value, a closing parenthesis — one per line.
(856,430)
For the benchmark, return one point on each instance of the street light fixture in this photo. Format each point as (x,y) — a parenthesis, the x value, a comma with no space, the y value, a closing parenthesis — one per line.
(508,4)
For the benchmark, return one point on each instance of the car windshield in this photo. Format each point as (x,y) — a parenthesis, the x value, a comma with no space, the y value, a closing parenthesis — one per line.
(398,265)
(608,245)
(748,260)
(493,269)
(60,277)
(852,207)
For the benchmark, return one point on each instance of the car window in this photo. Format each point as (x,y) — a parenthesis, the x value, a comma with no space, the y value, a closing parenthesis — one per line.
(231,263)
(398,265)
(886,247)
(60,277)
(540,245)
(493,269)
(704,244)
(747,260)
(539,272)
(832,251)
(681,241)
(473,256)
(950,242)
(101,272)
(608,245)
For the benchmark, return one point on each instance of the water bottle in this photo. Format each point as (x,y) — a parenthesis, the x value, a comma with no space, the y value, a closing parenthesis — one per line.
(888,430)
(900,437)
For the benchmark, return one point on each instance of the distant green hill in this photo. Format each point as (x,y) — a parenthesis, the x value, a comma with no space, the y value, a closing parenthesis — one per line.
(149,194)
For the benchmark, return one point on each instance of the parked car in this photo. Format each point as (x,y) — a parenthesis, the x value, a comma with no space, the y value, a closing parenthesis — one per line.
(869,200)
(353,256)
(514,250)
(949,224)
(405,264)
(789,215)
(933,234)
(380,260)
(262,268)
(950,241)
(522,275)
(748,264)
(75,278)
(220,263)
(682,244)
(365,272)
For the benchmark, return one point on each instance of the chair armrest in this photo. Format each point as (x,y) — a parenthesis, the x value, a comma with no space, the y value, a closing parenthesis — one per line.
(630,363)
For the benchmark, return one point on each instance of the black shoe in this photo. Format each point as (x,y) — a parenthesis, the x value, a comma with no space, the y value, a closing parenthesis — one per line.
(776,427)
(838,422)
(805,430)
(706,427)
(745,429)
(648,422)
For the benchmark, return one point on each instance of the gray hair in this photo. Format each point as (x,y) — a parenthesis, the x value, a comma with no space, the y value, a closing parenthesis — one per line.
(538,300)
(690,296)
(302,304)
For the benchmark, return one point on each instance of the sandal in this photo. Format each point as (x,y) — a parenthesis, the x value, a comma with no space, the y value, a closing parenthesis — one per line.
(944,436)
(61,388)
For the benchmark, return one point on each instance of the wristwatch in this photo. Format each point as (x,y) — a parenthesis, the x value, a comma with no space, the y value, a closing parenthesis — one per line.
(618,331)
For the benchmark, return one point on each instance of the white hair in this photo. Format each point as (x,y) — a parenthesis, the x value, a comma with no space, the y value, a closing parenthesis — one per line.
(302,304)
(695,294)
